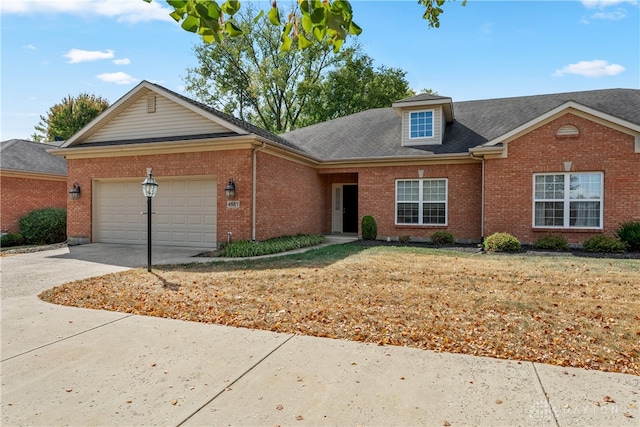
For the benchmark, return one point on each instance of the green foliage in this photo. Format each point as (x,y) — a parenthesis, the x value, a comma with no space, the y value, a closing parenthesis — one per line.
(246,76)
(501,242)
(69,116)
(369,228)
(44,226)
(354,86)
(405,238)
(310,22)
(629,233)
(603,243)
(247,248)
(552,242)
(11,239)
(442,238)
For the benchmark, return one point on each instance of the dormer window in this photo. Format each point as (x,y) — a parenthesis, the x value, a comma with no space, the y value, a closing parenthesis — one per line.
(421,124)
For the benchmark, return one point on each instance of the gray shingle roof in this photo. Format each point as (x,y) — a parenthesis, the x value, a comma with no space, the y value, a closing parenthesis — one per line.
(376,133)
(28,156)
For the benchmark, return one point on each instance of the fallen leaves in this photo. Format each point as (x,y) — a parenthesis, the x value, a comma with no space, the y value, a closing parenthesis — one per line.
(556,310)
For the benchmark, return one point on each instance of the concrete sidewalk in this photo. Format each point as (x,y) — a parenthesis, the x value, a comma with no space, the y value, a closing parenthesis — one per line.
(70,366)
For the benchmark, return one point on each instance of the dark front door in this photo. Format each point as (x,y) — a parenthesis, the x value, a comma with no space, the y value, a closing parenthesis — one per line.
(350,209)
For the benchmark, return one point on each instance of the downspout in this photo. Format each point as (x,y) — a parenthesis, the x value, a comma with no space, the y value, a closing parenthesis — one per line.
(481,200)
(254,191)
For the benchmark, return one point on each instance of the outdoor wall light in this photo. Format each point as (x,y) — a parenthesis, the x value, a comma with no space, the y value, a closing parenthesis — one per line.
(230,189)
(74,193)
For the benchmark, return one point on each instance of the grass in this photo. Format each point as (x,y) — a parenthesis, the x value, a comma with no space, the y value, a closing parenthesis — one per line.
(562,310)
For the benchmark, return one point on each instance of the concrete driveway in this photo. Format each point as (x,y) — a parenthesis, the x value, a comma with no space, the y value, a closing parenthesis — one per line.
(71,366)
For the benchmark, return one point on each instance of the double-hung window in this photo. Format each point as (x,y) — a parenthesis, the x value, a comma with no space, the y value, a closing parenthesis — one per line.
(568,200)
(421,201)
(421,124)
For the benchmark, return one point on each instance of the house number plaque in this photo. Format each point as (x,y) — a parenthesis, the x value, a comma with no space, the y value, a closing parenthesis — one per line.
(233,204)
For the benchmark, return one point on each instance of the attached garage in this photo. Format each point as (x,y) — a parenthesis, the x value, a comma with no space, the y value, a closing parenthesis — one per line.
(184,212)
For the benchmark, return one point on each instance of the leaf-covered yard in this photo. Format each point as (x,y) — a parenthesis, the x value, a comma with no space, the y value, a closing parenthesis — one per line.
(568,311)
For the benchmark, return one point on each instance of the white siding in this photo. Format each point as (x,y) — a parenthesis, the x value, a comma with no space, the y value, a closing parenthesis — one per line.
(438,127)
(169,119)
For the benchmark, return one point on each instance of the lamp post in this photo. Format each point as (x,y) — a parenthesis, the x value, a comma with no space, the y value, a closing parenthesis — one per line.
(149,189)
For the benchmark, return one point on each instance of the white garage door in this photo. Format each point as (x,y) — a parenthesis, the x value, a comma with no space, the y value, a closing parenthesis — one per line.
(185,212)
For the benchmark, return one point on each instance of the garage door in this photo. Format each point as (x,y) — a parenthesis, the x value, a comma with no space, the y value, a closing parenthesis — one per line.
(185,212)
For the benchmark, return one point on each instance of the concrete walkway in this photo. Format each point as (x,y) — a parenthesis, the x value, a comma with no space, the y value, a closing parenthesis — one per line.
(71,366)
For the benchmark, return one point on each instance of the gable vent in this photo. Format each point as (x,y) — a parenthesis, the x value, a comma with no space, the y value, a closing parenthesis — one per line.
(151,104)
(567,130)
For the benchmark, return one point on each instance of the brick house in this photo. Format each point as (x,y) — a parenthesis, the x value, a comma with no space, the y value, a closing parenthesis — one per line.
(566,163)
(30,179)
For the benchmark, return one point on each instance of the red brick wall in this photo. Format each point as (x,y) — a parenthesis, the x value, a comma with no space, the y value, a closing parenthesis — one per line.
(376,197)
(234,164)
(509,181)
(290,198)
(22,195)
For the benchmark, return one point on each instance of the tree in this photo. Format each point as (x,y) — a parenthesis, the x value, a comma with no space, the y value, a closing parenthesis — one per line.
(356,86)
(308,22)
(250,77)
(69,116)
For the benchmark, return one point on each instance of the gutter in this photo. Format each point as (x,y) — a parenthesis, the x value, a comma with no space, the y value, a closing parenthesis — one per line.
(254,190)
(481,197)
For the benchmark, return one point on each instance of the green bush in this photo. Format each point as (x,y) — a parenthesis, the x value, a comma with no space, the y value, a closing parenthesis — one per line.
(552,242)
(629,233)
(442,238)
(405,238)
(11,239)
(604,244)
(369,228)
(501,242)
(44,226)
(247,248)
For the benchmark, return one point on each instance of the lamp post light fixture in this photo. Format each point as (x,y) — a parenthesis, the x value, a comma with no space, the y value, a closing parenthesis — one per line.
(74,193)
(230,189)
(149,189)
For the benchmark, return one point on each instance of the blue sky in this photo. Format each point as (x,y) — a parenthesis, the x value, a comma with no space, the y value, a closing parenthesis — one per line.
(487,49)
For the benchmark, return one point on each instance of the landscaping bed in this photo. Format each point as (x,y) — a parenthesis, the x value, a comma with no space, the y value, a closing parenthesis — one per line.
(561,310)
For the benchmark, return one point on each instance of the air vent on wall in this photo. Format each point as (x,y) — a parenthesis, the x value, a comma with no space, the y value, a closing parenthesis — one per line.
(567,130)
(151,104)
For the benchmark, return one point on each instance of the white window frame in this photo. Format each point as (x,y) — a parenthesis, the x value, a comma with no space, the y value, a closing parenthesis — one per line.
(566,200)
(421,202)
(433,118)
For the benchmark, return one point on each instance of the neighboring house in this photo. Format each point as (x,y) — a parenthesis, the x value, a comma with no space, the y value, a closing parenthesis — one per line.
(30,179)
(565,163)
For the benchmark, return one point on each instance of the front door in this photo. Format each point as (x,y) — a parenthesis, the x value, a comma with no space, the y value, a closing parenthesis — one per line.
(344,208)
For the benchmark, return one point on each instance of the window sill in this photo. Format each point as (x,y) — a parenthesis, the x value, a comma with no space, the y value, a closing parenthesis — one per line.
(566,230)
(419,226)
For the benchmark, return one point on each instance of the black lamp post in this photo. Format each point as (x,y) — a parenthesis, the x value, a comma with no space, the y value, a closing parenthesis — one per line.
(149,189)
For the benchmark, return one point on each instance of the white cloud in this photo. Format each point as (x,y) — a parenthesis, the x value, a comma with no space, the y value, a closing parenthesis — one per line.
(601,4)
(123,61)
(121,10)
(595,68)
(79,55)
(610,16)
(30,47)
(118,78)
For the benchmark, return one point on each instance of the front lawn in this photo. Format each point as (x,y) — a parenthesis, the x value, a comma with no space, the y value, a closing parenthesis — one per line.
(562,310)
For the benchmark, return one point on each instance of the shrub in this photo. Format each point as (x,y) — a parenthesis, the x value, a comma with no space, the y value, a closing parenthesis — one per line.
(11,239)
(604,244)
(405,238)
(442,238)
(44,226)
(629,233)
(501,242)
(553,242)
(247,248)
(369,228)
